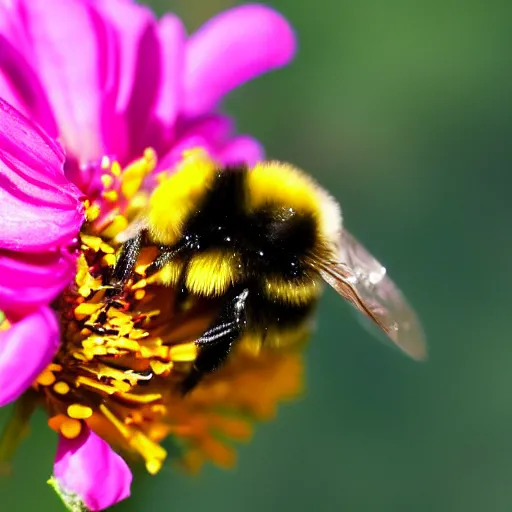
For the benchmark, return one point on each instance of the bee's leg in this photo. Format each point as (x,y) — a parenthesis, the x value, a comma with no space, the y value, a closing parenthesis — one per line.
(166,256)
(125,264)
(215,344)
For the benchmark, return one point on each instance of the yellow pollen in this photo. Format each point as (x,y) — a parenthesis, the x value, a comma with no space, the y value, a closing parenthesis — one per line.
(92,212)
(93,242)
(46,378)
(62,388)
(153,466)
(115,169)
(160,368)
(86,309)
(110,195)
(134,174)
(109,260)
(140,399)
(79,412)
(140,294)
(71,428)
(141,284)
(183,353)
(107,180)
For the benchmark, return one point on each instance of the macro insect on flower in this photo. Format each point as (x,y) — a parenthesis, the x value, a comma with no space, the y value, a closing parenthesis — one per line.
(157,276)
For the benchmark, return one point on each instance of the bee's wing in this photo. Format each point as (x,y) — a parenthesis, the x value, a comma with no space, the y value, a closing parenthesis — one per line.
(359,278)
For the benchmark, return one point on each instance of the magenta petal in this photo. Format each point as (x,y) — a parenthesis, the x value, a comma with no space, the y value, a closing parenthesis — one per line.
(39,208)
(242,149)
(166,107)
(29,281)
(26,349)
(231,49)
(89,468)
(72,59)
(172,52)
(139,76)
(20,85)
(170,159)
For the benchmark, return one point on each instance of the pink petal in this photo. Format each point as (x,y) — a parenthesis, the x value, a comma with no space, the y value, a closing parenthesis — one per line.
(139,76)
(39,208)
(242,149)
(71,51)
(215,128)
(29,281)
(232,48)
(20,86)
(170,159)
(165,109)
(25,351)
(89,468)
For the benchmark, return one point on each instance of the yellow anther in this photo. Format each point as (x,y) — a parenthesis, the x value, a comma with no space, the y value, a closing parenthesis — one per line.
(184,352)
(153,466)
(46,378)
(86,309)
(71,428)
(140,284)
(109,260)
(94,242)
(92,212)
(159,368)
(106,248)
(107,180)
(140,294)
(79,412)
(115,169)
(62,388)
(134,174)
(110,195)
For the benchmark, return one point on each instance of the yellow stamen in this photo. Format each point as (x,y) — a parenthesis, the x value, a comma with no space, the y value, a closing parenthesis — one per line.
(107,180)
(46,378)
(186,352)
(71,428)
(62,388)
(79,412)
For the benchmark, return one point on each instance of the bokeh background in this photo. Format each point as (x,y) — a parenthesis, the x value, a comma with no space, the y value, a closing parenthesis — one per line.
(404,111)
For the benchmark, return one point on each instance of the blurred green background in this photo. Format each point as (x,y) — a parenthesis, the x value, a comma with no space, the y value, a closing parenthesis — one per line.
(404,111)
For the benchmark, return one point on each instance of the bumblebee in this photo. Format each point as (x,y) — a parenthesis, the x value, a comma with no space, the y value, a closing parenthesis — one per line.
(262,241)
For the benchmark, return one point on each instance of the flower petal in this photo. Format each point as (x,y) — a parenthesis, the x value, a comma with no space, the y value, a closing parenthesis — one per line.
(26,348)
(165,110)
(89,468)
(139,75)
(242,149)
(39,208)
(21,87)
(232,48)
(71,52)
(30,281)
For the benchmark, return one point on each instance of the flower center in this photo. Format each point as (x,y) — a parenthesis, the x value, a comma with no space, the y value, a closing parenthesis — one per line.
(123,355)
(119,355)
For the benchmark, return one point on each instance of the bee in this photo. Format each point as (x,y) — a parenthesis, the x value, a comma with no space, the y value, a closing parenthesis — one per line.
(262,240)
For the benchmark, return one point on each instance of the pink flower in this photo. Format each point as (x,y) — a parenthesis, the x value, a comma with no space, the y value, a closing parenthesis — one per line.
(108,80)
(88,472)
(130,81)
(40,217)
